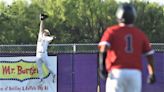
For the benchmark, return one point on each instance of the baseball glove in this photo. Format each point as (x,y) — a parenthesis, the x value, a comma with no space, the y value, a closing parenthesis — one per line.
(43,16)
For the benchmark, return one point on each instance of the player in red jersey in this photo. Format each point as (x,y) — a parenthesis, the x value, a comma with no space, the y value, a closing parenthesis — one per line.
(120,51)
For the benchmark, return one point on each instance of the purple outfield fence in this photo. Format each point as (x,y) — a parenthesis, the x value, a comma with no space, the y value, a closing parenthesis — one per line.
(78,73)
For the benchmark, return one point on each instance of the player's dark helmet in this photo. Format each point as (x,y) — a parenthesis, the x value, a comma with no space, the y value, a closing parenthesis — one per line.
(126,13)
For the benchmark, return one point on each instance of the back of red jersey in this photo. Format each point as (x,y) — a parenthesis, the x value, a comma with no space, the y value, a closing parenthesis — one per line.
(127,44)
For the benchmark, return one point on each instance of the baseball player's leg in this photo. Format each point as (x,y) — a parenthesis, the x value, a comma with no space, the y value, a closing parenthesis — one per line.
(39,66)
(114,84)
(50,66)
(134,81)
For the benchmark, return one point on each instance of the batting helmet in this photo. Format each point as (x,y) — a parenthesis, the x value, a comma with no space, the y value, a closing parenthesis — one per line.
(126,13)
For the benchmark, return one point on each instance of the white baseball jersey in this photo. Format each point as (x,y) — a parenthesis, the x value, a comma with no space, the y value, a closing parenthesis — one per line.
(43,42)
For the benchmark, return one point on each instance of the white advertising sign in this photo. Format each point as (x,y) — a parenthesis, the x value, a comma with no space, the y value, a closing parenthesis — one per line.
(20,74)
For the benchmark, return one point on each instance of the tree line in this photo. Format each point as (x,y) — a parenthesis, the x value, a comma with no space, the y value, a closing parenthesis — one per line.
(73,21)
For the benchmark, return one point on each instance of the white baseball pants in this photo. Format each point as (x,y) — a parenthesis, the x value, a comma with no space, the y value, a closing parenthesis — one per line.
(43,58)
(124,80)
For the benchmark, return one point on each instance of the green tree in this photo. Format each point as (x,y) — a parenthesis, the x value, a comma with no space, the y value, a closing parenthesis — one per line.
(150,20)
(73,21)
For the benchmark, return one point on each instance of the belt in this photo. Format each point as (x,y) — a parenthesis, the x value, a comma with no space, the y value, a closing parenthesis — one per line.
(41,51)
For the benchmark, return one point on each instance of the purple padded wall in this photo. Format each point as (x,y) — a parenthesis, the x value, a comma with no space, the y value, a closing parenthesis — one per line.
(159,68)
(85,73)
(78,73)
(65,72)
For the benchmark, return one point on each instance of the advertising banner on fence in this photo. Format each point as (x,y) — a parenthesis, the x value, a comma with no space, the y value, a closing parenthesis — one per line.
(20,74)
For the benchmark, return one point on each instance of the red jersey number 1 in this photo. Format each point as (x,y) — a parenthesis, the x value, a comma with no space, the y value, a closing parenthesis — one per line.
(129,43)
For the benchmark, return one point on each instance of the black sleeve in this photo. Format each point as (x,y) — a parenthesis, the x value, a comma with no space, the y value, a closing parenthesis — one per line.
(102,69)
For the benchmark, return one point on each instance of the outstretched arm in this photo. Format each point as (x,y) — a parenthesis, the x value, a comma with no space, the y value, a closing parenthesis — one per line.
(41,27)
(42,18)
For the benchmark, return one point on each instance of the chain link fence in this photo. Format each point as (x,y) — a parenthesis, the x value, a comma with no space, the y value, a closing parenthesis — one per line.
(63,48)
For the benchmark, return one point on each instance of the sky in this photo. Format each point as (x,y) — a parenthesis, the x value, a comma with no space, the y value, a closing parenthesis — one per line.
(161,2)
(10,1)
(7,1)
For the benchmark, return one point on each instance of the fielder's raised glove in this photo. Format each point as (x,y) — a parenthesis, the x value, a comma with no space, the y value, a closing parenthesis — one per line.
(151,79)
(43,16)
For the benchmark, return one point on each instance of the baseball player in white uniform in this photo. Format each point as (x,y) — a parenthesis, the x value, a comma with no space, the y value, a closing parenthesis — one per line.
(44,39)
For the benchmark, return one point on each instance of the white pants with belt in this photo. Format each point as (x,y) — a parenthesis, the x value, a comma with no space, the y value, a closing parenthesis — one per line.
(43,58)
(124,80)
